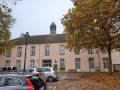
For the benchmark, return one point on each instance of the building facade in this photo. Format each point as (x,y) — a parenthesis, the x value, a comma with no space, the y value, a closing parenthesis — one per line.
(49,50)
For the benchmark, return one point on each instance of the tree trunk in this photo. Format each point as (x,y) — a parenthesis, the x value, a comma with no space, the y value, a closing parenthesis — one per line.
(110,60)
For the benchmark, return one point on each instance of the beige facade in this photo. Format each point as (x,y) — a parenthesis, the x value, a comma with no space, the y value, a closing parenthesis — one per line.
(49,50)
(81,62)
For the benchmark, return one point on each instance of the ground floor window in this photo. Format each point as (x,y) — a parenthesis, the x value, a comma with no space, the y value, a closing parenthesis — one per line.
(116,67)
(7,63)
(18,63)
(105,62)
(46,63)
(32,63)
(91,63)
(77,63)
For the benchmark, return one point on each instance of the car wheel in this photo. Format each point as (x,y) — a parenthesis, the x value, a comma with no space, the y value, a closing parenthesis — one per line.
(50,79)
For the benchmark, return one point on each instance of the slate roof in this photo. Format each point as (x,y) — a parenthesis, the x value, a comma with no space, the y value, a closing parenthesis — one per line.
(41,39)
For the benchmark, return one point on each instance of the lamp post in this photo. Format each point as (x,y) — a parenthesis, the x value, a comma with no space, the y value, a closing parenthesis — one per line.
(26,36)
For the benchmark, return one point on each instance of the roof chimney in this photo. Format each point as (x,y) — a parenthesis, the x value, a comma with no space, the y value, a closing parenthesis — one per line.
(22,35)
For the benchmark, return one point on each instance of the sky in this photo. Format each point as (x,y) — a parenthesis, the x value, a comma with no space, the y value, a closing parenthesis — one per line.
(35,16)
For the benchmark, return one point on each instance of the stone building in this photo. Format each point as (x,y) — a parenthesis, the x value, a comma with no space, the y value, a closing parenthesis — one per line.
(49,50)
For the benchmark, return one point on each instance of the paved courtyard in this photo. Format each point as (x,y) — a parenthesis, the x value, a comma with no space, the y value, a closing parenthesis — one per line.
(86,81)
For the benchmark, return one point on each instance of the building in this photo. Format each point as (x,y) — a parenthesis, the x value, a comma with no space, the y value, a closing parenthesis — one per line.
(49,50)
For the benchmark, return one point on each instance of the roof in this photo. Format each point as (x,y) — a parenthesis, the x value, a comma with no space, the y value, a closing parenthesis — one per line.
(53,24)
(41,39)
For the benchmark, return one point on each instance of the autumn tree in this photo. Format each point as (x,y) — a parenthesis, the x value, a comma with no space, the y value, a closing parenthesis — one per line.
(93,23)
(6,22)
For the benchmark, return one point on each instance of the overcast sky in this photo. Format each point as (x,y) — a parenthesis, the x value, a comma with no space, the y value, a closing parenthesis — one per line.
(35,16)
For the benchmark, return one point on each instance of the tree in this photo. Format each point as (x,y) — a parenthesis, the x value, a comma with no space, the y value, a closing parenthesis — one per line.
(6,22)
(7,2)
(93,23)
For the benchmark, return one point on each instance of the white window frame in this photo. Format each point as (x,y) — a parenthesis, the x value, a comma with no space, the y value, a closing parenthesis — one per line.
(32,50)
(18,63)
(7,63)
(104,51)
(77,60)
(62,50)
(8,54)
(19,51)
(47,50)
(62,63)
(90,51)
(91,63)
(32,63)
(105,63)
(77,52)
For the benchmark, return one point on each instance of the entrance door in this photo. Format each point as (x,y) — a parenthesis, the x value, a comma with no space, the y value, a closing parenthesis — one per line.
(55,66)
(78,69)
(47,63)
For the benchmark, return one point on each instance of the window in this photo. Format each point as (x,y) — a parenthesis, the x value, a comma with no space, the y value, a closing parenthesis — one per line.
(46,69)
(47,50)
(19,51)
(18,63)
(62,64)
(104,51)
(77,52)
(105,61)
(77,63)
(8,54)
(46,63)
(7,63)
(91,62)
(32,50)
(2,82)
(14,82)
(32,62)
(62,50)
(90,50)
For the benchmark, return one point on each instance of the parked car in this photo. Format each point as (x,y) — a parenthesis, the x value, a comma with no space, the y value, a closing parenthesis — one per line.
(33,70)
(49,73)
(22,82)
(29,70)
(9,68)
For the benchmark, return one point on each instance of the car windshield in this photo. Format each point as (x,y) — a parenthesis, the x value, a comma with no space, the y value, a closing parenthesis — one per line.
(2,82)
(45,69)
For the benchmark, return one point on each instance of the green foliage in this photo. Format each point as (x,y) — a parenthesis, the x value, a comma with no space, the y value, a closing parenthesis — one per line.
(93,23)
(62,68)
(6,22)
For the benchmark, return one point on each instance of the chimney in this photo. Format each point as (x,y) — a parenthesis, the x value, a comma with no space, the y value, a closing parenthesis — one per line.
(22,35)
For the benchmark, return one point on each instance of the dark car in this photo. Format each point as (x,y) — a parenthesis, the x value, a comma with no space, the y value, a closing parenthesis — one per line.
(9,69)
(22,82)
